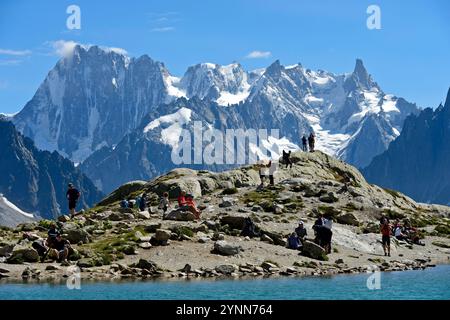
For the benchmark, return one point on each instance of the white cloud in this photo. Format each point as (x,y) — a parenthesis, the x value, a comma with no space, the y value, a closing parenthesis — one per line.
(116,50)
(64,48)
(10,62)
(10,52)
(259,54)
(163,29)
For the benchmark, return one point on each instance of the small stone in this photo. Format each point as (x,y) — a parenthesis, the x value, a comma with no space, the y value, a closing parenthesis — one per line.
(226,269)
(98,232)
(204,240)
(225,248)
(266,238)
(145,239)
(145,245)
(267,265)
(330,197)
(257,208)
(184,237)
(152,227)
(227,202)
(278,209)
(64,218)
(143,215)
(162,235)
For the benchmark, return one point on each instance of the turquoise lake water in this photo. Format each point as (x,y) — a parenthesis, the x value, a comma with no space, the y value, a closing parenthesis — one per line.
(432,283)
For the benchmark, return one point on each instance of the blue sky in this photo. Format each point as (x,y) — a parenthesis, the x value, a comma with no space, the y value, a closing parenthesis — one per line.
(408,57)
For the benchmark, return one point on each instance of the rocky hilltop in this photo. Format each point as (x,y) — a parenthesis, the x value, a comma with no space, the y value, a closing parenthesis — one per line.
(110,242)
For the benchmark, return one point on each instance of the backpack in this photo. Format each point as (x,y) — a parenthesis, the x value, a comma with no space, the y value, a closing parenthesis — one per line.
(39,247)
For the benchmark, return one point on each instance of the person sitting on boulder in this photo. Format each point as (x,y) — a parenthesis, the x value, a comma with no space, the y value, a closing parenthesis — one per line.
(397,231)
(124,203)
(301,231)
(143,202)
(137,202)
(52,233)
(192,206)
(131,203)
(287,158)
(249,229)
(164,202)
(294,242)
(182,199)
(61,247)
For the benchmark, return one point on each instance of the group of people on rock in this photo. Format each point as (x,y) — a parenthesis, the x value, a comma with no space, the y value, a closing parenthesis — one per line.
(268,169)
(322,234)
(54,246)
(401,232)
(297,238)
(310,141)
(140,202)
(185,202)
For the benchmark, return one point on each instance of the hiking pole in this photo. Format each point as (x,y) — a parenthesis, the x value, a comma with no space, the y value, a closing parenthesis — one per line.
(45,255)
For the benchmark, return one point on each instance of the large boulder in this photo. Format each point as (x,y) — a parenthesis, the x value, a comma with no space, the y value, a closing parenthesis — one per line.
(146,264)
(152,227)
(348,218)
(234,221)
(227,202)
(224,248)
(121,216)
(176,181)
(226,269)
(276,237)
(69,226)
(313,250)
(162,235)
(207,184)
(180,215)
(330,197)
(6,250)
(77,236)
(22,254)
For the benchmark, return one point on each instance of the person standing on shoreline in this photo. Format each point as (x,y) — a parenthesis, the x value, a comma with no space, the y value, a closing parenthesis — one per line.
(386,237)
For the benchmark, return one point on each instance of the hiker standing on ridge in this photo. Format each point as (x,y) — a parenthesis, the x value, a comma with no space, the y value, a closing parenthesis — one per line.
(273,167)
(304,144)
(287,158)
(311,142)
(72,195)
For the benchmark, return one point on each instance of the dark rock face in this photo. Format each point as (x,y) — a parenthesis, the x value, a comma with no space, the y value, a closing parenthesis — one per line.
(36,181)
(90,99)
(417,162)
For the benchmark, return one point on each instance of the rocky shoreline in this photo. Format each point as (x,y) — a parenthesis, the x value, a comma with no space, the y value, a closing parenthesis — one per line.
(146,270)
